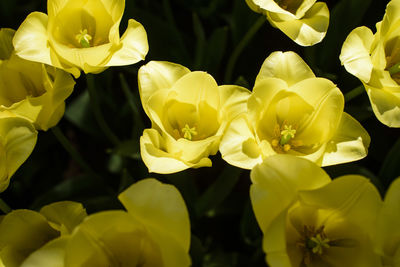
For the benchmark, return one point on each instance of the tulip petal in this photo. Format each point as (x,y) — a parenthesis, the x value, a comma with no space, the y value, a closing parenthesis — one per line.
(18,140)
(134,46)
(233,101)
(355,54)
(167,211)
(21,233)
(308,30)
(287,66)
(385,105)
(388,233)
(64,216)
(166,214)
(262,96)
(30,40)
(277,176)
(157,75)
(196,87)
(51,254)
(154,155)
(359,201)
(238,146)
(350,142)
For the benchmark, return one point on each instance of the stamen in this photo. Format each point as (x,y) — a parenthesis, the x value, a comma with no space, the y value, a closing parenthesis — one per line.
(318,243)
(188,132)
(84,38)
(286,134)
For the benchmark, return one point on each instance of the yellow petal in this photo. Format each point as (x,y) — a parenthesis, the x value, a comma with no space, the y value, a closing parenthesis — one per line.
(355,54)
(134,46)
(157,75)
(328,103)
(238,146)
(385,105)
(308,30)
(51,254)
(263,95)
(64,215)
(18,140)
(196,87)
(233,101)
(388,233)
(287,66)
(391,17)
(31,41)
(108,238)
(21,233)
(160,206)
(152,150)
(281,175)
(350,142)
(359,201)
(6,46)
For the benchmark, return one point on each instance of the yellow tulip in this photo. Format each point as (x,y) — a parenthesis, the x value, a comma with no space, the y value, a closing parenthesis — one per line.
(154,232)
(307,220)
(81,35)
(29,89)
(374,59)
(303,21)
(189,113)
(290,111)
(24,231)
(387,240)
(17,140)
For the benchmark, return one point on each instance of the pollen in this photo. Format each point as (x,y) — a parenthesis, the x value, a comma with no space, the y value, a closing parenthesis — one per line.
(188,132)
(84,38)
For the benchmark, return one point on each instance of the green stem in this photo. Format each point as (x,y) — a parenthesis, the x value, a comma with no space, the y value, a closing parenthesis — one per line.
(4,207)
(94,100)
(241,46)
(354,93)
(72,151)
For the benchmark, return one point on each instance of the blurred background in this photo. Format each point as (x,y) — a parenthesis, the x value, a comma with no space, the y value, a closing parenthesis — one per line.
(201,35)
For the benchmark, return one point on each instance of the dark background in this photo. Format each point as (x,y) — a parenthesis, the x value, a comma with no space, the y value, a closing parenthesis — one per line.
(201,35)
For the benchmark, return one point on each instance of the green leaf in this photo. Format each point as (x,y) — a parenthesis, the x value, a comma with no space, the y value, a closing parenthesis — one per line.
(391,166)
(200,41)
(79,113)
(215,50)
(218,191)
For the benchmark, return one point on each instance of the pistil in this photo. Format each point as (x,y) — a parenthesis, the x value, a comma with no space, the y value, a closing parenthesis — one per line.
(84,38)
(188,132)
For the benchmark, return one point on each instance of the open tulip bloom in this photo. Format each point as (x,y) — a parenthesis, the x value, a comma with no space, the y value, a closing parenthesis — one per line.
(22,232)
(29,89)
(189,113)
(375,60)
(304,21)
(309,220)
(154,231)
(81,35)
(290,111)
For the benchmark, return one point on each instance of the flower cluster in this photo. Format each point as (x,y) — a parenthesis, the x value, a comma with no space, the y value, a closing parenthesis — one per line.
(290,125)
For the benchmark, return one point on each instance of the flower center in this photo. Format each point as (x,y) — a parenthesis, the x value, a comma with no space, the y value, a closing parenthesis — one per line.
(318,243)
(283,140)
(188,132)
(313,242)
(289,5)
(84,38)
